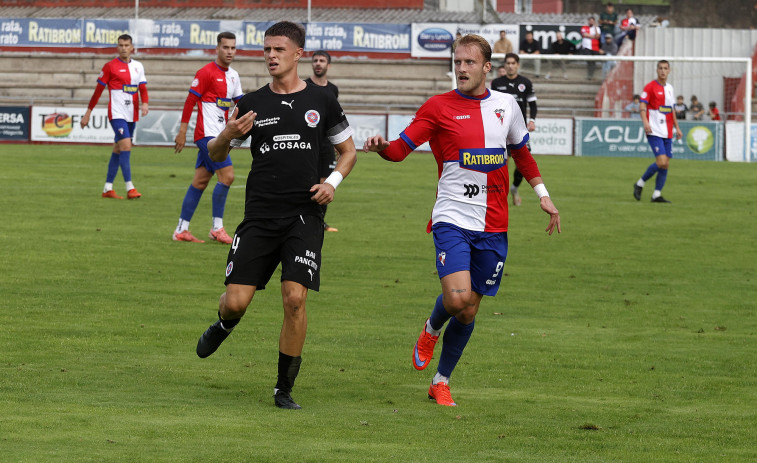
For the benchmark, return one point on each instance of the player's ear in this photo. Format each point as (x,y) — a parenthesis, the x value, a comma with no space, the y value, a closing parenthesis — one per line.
(487,66)
(298,54)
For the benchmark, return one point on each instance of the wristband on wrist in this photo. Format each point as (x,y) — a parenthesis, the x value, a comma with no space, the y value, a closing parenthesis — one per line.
(334,179)
(541,191)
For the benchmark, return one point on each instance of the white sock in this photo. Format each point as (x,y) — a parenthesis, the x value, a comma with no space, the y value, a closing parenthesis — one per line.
(108,187)
(431,330)
(513,189)
(438,378)
(129,186)
(640,183)
(182,226)
(217,223)
(656,194)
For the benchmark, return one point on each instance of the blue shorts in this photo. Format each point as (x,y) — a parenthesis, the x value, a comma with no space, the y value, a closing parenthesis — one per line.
(483,254)
(203,158)
(661,145)
(122,129)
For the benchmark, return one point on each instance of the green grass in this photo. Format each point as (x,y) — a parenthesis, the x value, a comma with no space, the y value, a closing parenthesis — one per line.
(632,336)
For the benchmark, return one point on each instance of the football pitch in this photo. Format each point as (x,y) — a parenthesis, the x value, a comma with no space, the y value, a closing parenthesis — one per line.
(630,337)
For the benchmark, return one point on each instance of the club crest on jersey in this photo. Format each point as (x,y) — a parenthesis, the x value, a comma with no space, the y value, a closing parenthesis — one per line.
(229,268)
(312,118)
(442,257)
(500,115)
(195,83)
(482,159)
(521,87)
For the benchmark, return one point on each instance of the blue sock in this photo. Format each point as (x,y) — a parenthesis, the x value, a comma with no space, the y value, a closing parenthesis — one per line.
(219,199)
(439,316)
(651,170)
(125,162)
(659,182)
(112,168)
(456,336)
(191,200)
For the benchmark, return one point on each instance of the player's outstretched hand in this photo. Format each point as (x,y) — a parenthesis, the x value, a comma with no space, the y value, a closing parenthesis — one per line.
(323,193)
(554,215)
(236,128)
(375,143)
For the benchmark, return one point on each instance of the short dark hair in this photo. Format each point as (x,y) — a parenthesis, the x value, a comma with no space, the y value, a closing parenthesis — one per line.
(293,31)
(125,37)
(663,61)
(636,97)
(225,35)
(513,56)
(322,53)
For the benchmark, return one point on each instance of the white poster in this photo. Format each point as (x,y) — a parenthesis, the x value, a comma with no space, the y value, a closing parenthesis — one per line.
(61,125)
(432,40)
(734,142)
(552,136)
(365,126)
(491,32)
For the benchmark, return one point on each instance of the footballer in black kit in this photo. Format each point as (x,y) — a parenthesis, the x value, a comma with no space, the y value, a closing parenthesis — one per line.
(523,90)
(290,135)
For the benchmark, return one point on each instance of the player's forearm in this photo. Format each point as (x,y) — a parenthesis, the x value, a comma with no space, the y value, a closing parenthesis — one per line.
(219,147)
(143,93)
(525,162)
(397,151)
(347,157)
(189,105)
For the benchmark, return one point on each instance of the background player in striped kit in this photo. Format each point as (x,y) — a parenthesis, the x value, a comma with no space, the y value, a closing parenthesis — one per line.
(126,82)
(659,118)
(213,90)
(470,130)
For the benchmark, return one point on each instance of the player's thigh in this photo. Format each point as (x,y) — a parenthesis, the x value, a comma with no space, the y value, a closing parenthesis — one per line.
(301,252)
(254,253)
(488,258)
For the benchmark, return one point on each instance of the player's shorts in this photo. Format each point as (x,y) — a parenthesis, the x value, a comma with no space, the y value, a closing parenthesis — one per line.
(259,245)
(661,145)
(122,129)
(203,158)
(483,254)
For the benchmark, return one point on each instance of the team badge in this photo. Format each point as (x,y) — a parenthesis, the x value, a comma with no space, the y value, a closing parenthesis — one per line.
(521,87)
(312,118)
(229,268)
(500,115)
(120,131)
(195,82)
(442,257)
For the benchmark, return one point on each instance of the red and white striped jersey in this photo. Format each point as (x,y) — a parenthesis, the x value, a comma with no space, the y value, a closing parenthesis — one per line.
(659,100)
(123,81)
(469,138)
(216,87)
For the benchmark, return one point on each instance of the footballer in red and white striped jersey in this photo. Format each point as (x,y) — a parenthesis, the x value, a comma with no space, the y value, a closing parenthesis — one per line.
(469,137)
(126,81)
(216,87)
(659,99)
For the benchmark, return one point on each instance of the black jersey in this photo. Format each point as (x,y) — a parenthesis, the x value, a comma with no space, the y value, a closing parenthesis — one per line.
(334,89)
(520,87)
(288,137)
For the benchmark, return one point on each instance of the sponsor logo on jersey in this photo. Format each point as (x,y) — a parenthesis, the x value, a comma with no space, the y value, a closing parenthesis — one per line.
(665,109)
(460,118)
(500,115)
(288,103)
(442,257)
(269,121)
(312,118)
(229,268)
(307,260)
(264,148)
(291,145)
(482,159)
(471,190)
(288,137)
(223,103)
(130,89)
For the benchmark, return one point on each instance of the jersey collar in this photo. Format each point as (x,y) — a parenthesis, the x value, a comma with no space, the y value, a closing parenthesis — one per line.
(483,96)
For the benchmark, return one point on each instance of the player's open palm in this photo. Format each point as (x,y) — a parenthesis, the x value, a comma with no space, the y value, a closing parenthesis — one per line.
(554,215)
(236,128)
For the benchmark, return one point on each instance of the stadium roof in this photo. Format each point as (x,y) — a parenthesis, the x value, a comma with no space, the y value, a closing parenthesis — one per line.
(346,15)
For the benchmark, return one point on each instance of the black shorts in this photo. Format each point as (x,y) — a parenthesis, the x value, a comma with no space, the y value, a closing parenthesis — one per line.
(259,245)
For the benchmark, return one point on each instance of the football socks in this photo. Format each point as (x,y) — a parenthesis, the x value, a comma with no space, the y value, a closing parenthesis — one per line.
(651,170)
(125,163)
(456,337)
(662,175)
(219,201)
(191,200)
(289,368)
(439,316)
(112,169)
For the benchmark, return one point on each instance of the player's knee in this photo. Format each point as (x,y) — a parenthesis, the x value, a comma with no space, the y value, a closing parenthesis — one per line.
(294,303)
(232,305)
(456,302)
(227,179)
